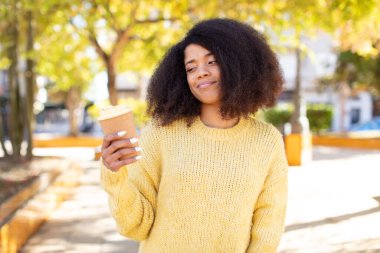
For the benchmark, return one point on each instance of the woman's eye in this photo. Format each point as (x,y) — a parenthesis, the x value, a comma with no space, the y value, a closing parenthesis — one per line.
(212,62)
(189,70)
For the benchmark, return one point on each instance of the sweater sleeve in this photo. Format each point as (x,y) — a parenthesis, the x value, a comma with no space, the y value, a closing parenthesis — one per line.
(132,191)
(270,209)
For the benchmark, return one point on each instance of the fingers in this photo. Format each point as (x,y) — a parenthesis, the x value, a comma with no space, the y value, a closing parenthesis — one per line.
(119,144)
(121,154)
(116,165)
(109,138)
(118,151)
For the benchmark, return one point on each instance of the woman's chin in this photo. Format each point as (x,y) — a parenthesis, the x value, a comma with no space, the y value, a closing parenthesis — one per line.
(210,101)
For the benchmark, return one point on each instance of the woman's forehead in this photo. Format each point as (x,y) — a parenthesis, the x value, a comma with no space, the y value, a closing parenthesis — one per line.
(195,51)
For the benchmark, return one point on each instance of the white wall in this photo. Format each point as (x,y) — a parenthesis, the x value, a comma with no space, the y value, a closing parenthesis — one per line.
(319,61)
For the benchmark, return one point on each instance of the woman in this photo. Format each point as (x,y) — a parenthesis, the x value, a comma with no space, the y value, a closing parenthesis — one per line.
(210,178)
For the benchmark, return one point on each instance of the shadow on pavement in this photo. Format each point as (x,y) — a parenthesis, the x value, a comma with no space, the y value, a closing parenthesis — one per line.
(335,219)
(331,153)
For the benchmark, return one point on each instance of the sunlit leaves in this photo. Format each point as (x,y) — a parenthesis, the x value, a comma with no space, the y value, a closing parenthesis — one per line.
(155,25)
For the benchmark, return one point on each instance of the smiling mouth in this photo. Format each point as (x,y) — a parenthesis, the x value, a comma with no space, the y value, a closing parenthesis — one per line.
(205,84)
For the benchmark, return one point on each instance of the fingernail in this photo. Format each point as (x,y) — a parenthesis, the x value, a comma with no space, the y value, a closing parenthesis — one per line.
(138,157)
(138,148)
(133,140)
(121,133)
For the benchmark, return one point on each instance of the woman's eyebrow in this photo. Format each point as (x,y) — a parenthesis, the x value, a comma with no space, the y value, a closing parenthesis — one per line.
(193,60)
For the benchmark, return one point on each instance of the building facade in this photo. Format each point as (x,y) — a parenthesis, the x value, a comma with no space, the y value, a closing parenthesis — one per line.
(350,107)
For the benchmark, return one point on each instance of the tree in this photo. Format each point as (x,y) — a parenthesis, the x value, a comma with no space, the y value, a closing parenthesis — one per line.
(21,21)
(112,26)
(358,25)
(12,39)
(358,71)
(69,64)
(30,82)
(359,59)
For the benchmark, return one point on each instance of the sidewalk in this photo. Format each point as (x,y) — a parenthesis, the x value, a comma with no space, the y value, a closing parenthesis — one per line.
(333,207)
(334,203)
(82,224)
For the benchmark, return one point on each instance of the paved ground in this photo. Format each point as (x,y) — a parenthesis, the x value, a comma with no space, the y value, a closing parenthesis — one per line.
(334,203)
(334,206)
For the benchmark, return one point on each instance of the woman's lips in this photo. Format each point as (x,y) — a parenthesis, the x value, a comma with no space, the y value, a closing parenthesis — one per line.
(204,85)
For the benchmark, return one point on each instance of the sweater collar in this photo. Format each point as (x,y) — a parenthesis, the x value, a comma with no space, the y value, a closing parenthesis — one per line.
(220,134)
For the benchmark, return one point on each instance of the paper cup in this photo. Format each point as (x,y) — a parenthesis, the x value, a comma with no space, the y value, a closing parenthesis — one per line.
(117,118)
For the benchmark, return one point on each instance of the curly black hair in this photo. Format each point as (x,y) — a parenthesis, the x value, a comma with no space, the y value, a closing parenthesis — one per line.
(251,77)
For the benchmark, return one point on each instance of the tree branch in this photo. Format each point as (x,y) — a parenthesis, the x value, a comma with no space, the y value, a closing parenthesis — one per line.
(121,41)
(123,36)
(92,38)
(98,48)
(112,17)
(133,15)
(155,20)
(139,38)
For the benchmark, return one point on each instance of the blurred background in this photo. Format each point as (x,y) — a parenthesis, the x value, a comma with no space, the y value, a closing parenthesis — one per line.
(60,61)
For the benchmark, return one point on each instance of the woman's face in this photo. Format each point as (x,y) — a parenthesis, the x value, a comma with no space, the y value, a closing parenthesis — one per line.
(203,74)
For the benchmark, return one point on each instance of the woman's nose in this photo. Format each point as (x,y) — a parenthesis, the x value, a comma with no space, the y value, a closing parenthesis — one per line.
(202,72)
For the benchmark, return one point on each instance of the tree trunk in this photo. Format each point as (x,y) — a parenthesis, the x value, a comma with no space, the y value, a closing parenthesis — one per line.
(377,72)
(140,86)
(298,120)
(2,136)
(16,116)
(72,104)
(111,81)
(344,93)
(30,86)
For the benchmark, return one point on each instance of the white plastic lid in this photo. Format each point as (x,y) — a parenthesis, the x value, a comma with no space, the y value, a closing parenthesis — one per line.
(110,111)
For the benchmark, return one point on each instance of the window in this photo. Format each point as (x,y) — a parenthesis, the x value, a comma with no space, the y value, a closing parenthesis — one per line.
(355,116)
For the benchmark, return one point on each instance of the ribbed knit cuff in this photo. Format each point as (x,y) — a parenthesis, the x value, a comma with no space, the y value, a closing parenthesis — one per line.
(117,184)
(109,177)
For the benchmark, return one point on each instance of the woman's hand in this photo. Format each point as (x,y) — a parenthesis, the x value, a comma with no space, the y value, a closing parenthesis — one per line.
(118,151)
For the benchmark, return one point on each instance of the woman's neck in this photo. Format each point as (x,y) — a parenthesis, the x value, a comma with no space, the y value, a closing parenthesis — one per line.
(210,116)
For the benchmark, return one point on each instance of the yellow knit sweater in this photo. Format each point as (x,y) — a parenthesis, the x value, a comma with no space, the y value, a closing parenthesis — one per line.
(203,189)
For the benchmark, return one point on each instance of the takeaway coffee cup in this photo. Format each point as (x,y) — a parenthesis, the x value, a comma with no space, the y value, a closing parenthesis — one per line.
(117,118)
